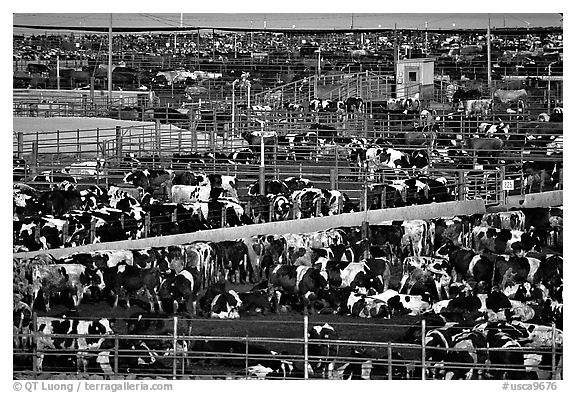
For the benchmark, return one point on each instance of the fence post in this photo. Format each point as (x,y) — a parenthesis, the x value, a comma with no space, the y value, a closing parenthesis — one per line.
(305,346)
(295,210)
(119,142)
(37,233)
(500,185)
(20,144)
(147,225)
(461,186)
(92,230)
(158,136)
(319,207)
(246,353)
(261,180)
(174,346)
(383,198)
(78,145)
(389,361)
(333,175)
(64,231)
(34,330)
(223,218)
(365,233)
(271,211)
(553,370)
(34,158)
(116,345)
(423,342)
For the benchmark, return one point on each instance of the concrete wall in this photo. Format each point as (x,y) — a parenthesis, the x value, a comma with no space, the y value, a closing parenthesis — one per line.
(374,217)
(541,199)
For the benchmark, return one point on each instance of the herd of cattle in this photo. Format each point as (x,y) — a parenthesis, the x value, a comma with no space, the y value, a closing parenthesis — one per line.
(66,216)
(493,281)
(481,281)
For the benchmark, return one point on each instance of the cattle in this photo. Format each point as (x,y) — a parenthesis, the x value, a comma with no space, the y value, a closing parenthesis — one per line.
(318,105)
(145,178)
(281,207)
(227,184)
(120,199)
(464,307)
(125,281)
(232,260)
(20,169)
(512,220)
(242,157)
(550,274)
(545,174)
(418,238)
(85,170)
(303,281)
(85,329)
(226,305)
(463,95)
(388,237)
(364,306)
(181,289)
(53,178)
(513,361)
(309,202)
(322,353)
(60,278)
(468,353)
(58,202)
(481,107)
(191,194)
(260,209)
(274,187)
(297,183)
(255,301)
(382,195)
(391,158)
(180,160)
(354,104)
(324,132)
(189,178)
(256,138)
(510,96)
(496,130)
(426,277)
(486,149)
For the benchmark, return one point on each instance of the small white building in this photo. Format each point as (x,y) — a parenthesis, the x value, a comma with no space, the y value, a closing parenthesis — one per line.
(415,76)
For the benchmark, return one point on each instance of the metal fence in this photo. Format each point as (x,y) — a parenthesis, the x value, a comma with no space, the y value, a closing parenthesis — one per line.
(179,353)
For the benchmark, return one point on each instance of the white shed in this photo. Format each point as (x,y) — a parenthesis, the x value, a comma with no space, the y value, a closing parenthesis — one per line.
(415,76)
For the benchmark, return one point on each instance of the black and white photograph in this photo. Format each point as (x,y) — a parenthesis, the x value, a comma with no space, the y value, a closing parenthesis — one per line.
(292,195)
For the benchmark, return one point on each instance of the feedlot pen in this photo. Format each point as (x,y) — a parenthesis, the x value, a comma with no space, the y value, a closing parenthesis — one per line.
(326,164)
(229,349)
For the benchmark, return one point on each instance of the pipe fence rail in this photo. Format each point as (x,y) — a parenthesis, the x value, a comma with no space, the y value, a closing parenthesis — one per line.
(180,354)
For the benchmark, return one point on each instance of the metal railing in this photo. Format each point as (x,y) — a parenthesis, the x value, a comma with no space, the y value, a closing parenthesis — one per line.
(180,353)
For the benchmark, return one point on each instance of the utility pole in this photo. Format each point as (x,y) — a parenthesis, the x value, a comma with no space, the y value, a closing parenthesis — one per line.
(176,34)
(489,53)
(395,59)
(110,60)
(426,38)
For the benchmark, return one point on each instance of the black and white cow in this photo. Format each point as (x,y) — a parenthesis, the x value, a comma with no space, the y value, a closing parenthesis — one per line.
(304,282)
(59,279)
(92,337)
